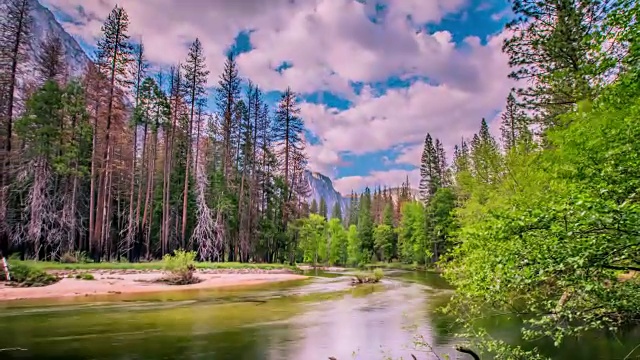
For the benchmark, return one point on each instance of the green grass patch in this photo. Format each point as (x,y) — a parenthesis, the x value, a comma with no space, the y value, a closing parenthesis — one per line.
(25,275)
(154,265)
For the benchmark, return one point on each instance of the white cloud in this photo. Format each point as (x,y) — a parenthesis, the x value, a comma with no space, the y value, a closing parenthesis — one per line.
(407,115)
(374,179)
(330,44)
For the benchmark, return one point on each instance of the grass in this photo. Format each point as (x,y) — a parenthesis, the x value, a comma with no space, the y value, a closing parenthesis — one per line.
(154,265)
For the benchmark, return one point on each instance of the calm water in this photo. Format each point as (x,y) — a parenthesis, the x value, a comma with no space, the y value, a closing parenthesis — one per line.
(304,320)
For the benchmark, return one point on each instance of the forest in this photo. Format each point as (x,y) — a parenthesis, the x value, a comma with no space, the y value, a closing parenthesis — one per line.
(120,163)
(542,223)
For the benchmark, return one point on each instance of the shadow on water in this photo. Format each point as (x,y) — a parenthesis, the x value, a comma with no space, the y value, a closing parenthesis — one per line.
(311,319)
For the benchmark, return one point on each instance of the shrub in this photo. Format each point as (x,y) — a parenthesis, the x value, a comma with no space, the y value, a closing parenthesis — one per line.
(378,274)
(181,267)
(368,278)
(85,276)
(74,257)
(27,276)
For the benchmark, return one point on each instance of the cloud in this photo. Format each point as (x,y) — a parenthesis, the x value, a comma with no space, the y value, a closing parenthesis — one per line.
(392,178)
(406,115)
(331,44)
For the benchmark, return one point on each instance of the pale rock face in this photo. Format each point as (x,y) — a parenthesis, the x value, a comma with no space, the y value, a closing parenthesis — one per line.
(322,187)
(44,24)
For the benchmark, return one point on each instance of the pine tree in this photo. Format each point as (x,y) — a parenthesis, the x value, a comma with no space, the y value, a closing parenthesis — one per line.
(287,131)
(15,35)
(353,209)
(228,93)
(50,61)
(195,79)
(441,159)
(114,58)
(322,209)
(314,207)
(365,224)
(514,127)
(429,170)
(550,48)
(485,157)
(336,212)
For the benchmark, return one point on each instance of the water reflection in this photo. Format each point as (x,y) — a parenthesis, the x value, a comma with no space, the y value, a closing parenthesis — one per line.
(305,320)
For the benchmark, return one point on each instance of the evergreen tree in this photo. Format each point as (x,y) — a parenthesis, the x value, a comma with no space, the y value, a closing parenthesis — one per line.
(514,127)
(287,130)
(227,96)
(441,158)
(314,207)
(336,212)
(50,60)
(195,79)
(365,225)
(429,170)
(15,35)
(322,210)
(485,156)
(113,58)
(353,209)
(550,48)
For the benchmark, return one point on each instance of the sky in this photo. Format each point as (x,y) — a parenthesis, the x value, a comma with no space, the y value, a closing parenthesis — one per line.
(373,76)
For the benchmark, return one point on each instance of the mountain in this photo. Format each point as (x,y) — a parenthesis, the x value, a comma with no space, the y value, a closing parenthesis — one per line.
(45,24)
(322,187)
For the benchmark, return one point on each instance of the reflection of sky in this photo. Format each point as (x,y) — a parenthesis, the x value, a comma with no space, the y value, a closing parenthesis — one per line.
(374,326)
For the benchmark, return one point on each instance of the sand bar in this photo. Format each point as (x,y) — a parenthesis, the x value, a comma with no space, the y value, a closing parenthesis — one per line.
(126,282)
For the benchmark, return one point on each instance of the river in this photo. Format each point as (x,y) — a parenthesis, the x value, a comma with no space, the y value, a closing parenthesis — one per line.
(303,320)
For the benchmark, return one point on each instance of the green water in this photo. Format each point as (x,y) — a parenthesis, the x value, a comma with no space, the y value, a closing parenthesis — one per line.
(304,320)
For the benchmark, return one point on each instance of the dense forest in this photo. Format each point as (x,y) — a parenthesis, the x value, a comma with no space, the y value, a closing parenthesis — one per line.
(123,163)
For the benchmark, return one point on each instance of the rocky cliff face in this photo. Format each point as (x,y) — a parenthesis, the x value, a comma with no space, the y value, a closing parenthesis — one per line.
(44,24)
(322,187)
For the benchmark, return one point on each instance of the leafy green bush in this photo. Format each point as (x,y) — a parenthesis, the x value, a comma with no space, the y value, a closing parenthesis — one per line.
(27,276)
(181,267)
(378,274)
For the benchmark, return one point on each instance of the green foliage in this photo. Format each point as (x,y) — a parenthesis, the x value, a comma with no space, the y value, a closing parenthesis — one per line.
(413,239)
(322,208)
(313,239)
(368,278)
(24,275)
(551,238)
(383,236)
(338,242)
(85,276)
(181,266)
(353,246)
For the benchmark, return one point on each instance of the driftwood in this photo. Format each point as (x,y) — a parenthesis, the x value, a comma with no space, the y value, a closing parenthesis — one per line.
(458,348)
(468,351)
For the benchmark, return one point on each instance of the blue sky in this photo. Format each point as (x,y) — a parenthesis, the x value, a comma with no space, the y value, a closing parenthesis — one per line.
(373,77)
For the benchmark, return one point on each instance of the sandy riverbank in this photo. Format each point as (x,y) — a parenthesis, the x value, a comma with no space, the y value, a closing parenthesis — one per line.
(127,282)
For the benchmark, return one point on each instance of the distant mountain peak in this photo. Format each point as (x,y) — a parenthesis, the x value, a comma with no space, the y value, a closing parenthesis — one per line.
(45,24)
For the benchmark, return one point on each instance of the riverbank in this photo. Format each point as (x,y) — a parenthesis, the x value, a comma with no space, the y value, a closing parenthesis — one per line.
(132,281)
(152,265)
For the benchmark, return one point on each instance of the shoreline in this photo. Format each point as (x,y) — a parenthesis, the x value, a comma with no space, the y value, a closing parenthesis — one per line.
(115,282)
